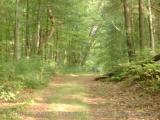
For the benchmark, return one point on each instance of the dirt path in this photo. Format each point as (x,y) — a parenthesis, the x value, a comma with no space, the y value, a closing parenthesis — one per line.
(74,97)
(66,98)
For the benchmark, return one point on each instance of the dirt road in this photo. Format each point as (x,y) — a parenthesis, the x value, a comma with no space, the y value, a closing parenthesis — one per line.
(79,97)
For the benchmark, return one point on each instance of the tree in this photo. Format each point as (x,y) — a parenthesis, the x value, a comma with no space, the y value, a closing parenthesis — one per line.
(17,42)
(141,24)
(152,41)
(27,44)
(60,30)
(128,30)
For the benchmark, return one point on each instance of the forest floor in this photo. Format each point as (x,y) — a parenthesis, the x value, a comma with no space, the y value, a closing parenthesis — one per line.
(79,97)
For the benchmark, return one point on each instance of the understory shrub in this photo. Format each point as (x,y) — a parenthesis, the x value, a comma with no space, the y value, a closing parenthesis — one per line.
(32,73)
(147,74)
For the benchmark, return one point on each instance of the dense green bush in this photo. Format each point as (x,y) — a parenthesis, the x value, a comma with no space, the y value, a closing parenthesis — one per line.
(145,74)
(32,73)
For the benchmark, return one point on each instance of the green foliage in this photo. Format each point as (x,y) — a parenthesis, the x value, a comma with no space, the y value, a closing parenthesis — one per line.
(32,73)
(72,69)
(145,74)
(7,71)
(7,96)
(12,113)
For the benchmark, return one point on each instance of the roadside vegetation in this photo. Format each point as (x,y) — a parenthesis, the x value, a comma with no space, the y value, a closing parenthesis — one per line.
(26,74)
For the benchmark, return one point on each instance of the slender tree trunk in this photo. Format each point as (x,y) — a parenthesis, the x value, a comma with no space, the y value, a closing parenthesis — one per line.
(8,36)
(38,28)
(53,32)
(152,40)
(56,43)
(158,29)
(141,23)
(46,48)
(16,42)
(128,30)
(87,50)
(27,47)
(132,25)
(36,37)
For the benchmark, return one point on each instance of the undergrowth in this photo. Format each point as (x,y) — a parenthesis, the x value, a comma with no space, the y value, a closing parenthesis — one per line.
(24,74)
(147,75)
(65,69)
(12,113)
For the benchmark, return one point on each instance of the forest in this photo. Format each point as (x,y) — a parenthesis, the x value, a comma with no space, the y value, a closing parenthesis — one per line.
(80,60)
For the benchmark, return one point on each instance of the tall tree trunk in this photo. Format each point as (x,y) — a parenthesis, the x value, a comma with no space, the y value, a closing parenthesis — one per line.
(53,32)
(27,47)
(38,38)
(132,24)
(16,42)
(46,48)
(87,50)
(141,23)
(128,30)
(56,45)
(152,40)
(158,29)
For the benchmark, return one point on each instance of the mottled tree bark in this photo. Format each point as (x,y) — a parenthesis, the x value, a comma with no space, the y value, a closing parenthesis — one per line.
(128,27)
